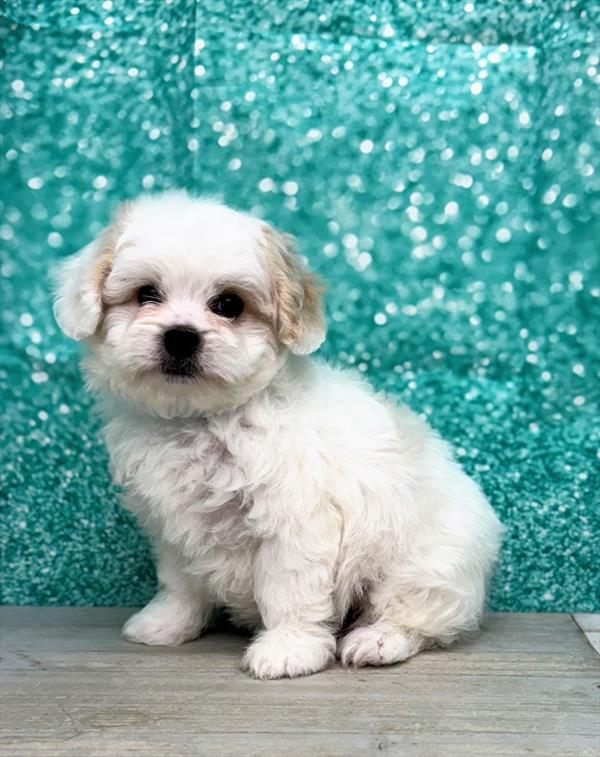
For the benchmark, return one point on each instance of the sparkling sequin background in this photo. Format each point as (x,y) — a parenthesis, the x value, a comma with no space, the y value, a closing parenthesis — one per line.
(438,161)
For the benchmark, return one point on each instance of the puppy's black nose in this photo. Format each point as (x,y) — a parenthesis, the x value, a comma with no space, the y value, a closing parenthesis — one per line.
(181,342)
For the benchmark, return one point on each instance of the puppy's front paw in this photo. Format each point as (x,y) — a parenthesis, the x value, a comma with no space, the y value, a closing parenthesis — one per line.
(288,653)
(162,623)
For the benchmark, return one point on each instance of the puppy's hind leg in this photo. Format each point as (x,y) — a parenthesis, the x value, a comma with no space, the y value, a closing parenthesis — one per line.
(178,613)
(404,618)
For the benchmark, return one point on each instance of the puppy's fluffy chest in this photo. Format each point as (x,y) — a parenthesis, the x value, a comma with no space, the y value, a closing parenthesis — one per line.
(183,481)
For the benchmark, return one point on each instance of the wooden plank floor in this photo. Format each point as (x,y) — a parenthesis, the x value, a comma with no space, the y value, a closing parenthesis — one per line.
(529,684)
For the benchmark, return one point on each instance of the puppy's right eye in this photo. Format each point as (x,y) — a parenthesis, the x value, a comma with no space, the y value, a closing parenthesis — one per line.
(148,293)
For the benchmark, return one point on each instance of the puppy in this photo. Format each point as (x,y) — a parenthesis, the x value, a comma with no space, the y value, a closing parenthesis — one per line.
(271,484)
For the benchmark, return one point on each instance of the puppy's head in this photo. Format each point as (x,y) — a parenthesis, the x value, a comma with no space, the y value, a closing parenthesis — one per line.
(188,306)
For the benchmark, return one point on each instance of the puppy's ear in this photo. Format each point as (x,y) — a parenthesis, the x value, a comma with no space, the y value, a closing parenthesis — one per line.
(79,282)
(297,295)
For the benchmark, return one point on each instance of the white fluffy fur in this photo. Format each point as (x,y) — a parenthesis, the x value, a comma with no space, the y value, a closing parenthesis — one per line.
(273,485)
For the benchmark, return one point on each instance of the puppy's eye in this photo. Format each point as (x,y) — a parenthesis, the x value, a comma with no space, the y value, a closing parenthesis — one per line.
(227,305)
(148,293)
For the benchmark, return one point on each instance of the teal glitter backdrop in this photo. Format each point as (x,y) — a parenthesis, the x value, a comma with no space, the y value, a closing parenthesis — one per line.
(439,164)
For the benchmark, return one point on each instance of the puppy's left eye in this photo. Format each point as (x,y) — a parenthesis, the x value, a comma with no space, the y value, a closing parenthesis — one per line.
(227,305)
(148,293)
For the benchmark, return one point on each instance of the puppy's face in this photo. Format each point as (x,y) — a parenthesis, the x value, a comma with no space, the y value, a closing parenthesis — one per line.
(188,306)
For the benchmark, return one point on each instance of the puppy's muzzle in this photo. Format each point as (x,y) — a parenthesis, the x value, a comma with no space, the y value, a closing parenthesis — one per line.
(181,346)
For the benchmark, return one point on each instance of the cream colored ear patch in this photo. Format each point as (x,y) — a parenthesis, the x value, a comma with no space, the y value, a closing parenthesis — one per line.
(78,304)
(297,295)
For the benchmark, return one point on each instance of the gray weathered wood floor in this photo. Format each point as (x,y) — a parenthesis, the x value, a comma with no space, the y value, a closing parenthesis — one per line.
(527,685)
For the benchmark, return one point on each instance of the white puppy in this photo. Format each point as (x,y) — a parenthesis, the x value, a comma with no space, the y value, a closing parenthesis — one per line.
(272,485)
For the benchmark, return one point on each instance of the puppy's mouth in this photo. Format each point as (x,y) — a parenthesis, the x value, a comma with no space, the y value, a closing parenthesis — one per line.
(179,370)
